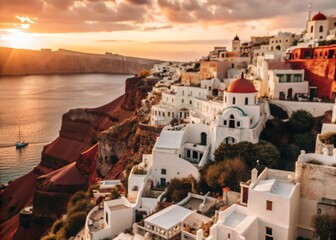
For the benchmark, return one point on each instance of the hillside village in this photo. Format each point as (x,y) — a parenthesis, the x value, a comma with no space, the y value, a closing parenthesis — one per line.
(225,99)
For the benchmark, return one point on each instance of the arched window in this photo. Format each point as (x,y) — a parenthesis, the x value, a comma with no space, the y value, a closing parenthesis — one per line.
(203,138)
(246,101)
(321,29)
(311,29)
(233,100)
(231,116)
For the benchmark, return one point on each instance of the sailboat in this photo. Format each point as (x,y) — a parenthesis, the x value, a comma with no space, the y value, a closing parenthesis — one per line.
(21,143)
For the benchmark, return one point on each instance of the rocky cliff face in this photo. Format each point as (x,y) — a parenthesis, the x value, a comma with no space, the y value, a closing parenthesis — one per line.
(26,62)
(66,169)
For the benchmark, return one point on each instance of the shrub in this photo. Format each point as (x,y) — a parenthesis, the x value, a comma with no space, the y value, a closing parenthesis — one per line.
(77,197)
(328,138)
(75,223)
(325,226)
(50,236)
(305,141)
(228,173)
(82,205)
(178,188)
(58,224)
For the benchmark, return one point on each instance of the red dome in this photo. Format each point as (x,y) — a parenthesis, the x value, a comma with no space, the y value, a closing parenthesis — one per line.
(319,16)
(241,85)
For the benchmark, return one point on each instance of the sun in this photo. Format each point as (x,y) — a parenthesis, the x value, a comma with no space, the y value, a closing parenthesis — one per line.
(18,39)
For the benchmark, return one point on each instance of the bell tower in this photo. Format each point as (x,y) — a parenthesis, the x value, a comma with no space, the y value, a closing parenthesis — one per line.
(236,44)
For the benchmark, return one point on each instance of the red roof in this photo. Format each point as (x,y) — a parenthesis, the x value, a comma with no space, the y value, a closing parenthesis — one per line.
(319,16)
(241,85)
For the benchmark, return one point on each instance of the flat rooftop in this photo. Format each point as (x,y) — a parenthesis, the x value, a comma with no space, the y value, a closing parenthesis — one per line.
(168,217)
(275,186)
(118,207)
(234,219)
(196,220)
(169,139)
(193,204)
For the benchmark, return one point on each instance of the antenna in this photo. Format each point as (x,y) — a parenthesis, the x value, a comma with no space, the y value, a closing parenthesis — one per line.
(309,11)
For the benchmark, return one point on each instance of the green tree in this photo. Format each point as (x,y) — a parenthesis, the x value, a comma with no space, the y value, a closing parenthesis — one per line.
(266,153)
(305,141)
(301,121)
(325,226)
(240,150)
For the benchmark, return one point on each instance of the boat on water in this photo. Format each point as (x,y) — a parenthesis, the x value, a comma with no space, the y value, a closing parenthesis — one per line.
(21,143)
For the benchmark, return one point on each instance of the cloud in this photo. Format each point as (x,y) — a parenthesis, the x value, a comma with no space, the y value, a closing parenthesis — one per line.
(62,16)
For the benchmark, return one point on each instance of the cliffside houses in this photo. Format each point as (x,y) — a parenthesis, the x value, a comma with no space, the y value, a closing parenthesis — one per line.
(206,103)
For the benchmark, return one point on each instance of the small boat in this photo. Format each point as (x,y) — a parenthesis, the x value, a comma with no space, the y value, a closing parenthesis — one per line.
(21,143)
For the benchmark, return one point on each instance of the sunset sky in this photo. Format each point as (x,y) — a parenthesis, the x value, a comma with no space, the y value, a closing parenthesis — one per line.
(161,29)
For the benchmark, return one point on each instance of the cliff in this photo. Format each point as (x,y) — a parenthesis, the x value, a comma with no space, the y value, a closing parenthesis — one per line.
(27,62)
(75,158)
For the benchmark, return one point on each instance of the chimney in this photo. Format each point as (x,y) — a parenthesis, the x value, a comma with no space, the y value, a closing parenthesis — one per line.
(254,175)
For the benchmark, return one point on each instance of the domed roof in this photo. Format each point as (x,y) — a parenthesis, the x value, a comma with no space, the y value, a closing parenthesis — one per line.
(241,85)
(319,16)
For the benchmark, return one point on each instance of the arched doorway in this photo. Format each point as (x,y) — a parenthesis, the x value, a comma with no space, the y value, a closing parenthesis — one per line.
(290,93)
(229,140)
(232,121)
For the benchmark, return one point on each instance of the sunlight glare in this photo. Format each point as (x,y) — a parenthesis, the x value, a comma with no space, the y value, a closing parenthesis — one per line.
(19,39)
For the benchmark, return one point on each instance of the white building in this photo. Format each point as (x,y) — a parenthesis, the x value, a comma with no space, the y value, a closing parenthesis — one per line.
(320,27)
(276,80)
(180,151)
(116,216)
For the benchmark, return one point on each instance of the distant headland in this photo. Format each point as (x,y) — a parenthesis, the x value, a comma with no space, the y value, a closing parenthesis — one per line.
(30,62)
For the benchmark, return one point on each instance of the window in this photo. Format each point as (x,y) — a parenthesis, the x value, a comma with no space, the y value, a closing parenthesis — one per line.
(182,100)
(269,234)
(269,231)
(168,114)
(321,29)
(173,115)
(163,171)
(195,155)
(269,205)
(238,123)
(225,99)
(233,100)
(190,102)
(311,29)
(182,93)
(106,217)
(246,101)
(188,153)
(225,122)
(163,114)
